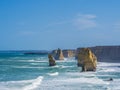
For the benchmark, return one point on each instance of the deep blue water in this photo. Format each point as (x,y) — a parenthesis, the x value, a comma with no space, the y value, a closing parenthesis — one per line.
(31,72)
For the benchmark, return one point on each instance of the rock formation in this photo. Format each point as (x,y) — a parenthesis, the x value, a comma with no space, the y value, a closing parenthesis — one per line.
(104,53)
(87,60)
(51,60)
(59,55)
(107,53)
(69,53)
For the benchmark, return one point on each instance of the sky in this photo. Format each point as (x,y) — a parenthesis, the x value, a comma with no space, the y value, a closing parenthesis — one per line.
(65,24)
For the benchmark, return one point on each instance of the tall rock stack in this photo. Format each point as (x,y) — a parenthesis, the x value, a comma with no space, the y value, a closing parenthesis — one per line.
(51,60)
(86,59)
(59,55)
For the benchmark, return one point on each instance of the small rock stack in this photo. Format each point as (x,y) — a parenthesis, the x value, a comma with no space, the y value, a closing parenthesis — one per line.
(51,60)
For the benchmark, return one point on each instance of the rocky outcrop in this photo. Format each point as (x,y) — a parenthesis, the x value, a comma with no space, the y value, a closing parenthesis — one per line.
(51,60)
(86,59)
(69,53)
(58,54)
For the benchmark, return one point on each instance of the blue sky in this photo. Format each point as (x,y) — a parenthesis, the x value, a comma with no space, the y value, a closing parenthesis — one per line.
(49,24)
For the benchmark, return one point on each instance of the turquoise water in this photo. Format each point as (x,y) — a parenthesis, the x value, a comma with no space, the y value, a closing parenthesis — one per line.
(31,72)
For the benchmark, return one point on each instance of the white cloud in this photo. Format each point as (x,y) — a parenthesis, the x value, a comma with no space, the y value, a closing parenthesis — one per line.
(85,21)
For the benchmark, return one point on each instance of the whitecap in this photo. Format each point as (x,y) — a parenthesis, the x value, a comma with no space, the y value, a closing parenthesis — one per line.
(29,67)
(105,64)
(21,85)
(53,74)
(35,83)
(107,70)
(65,66)
(84,74)
(32,60)
(85,80)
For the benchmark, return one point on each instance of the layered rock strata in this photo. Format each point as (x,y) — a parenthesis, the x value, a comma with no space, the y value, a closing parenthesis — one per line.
(58,54)
(87,60)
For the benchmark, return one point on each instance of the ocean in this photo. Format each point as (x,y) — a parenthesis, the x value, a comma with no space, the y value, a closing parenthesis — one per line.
(20,71)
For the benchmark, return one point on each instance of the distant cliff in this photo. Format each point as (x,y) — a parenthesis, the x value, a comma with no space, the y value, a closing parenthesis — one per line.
(69,53)
(106,53)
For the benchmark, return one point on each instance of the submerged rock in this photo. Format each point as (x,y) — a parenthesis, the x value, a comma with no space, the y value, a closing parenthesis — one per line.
(87,60)
(51,60)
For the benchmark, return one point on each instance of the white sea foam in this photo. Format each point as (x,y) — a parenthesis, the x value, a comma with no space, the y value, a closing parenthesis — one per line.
(32,60)
(107,70)
(86,80)
(101,64)
(35,84)
(66,66)
(56,66)
(29,67)
(84,74)
(21,85)
(53,74)
(72,83)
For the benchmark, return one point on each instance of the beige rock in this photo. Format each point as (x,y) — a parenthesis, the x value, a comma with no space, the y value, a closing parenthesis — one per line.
(87,60)
(51,60)
(69,53)
(59,55)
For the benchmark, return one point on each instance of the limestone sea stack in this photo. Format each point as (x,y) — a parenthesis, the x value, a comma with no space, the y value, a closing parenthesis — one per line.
(59,55)
(51,60)
(69,53)
(87,60)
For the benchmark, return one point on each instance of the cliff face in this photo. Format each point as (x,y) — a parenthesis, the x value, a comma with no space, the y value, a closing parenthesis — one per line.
(69,53)
(87,60)
(107,53)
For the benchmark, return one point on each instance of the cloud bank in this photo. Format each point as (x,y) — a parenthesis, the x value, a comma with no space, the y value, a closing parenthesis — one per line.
(85,21)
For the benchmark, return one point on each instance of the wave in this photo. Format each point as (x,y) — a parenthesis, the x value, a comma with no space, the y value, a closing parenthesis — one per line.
(105,64)
(66,66)
(35,84)
(22,85)
(32,60)
(37,67)
(84,74)
(53,74)
(107,70)
(87,80)
(69,83)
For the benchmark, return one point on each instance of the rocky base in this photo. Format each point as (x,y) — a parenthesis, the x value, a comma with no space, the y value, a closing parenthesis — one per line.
(51,60)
